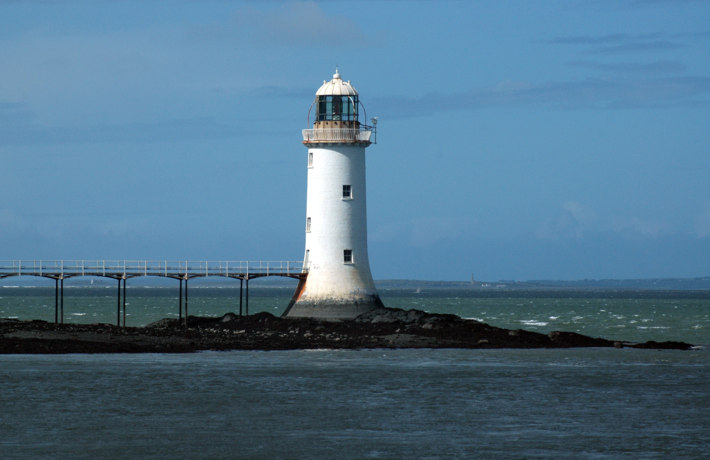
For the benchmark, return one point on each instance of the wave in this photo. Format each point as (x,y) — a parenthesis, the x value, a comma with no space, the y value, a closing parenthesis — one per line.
(532,322)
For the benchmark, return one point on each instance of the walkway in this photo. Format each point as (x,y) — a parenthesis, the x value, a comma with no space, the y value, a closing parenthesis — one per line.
(122,270)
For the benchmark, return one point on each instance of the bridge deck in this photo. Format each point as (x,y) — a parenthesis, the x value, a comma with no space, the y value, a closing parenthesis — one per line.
(122,270)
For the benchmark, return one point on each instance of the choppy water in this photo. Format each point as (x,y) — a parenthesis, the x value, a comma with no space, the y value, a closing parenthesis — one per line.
(595,403)
(579,403)
(623,315)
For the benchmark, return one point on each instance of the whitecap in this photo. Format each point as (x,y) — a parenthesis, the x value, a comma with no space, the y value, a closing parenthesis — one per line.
(78,314)
(553,318)
(532,322)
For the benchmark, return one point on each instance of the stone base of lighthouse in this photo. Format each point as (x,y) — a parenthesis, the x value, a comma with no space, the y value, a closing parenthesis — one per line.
(330,308)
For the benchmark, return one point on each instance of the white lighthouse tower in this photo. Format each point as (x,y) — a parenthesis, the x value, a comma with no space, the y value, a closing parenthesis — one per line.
(339,283)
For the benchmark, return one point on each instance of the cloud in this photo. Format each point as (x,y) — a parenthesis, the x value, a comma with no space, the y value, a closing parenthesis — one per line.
(619,43)
(579,212)
(11,222)
(298,24)
(578,221)
(633,47)
(664,2)
(634,226)
(574,220)
(426,231)
(170,129)
(593,93)
(608,39)
(12,113)
(702,222)
(645,68)
(422,232)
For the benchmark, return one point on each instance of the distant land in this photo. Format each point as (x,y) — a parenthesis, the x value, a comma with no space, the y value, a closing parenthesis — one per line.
(681,284)
(663,284)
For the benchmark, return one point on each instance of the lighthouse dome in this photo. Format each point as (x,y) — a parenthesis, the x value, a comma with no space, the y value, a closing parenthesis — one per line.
(336,87)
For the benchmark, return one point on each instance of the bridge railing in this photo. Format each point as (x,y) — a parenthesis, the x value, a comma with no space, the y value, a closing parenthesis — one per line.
(147,267)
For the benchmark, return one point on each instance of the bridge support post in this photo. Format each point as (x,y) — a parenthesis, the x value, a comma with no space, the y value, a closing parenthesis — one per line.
(180,301)
(118,305)
(241,284)
(61,299)
(247,305)
(124,302)
(186,280)
(56,300)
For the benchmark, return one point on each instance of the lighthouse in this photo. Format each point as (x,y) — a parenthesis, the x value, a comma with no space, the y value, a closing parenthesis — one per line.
(337,282)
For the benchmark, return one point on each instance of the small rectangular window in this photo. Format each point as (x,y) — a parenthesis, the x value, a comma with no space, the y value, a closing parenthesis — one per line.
(310,159)
(348,256)
(308,225)
(347,192)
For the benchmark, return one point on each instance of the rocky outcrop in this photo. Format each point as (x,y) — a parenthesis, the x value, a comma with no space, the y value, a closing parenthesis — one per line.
(379,328)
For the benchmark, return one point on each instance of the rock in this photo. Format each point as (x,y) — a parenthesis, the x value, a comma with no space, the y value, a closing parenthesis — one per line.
(380,328)
(161,324)
(229,317)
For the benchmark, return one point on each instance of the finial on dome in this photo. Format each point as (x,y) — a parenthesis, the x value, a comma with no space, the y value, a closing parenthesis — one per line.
(336,75)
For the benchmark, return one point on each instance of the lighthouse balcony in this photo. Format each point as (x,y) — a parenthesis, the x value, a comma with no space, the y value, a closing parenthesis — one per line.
(344,135)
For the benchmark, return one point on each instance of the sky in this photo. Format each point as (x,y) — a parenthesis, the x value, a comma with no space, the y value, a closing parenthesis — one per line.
(517,140)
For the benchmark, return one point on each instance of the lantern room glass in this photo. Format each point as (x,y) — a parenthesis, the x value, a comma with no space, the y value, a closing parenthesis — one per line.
(337,108)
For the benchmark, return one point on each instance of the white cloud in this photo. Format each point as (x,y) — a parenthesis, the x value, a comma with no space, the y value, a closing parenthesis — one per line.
(579,221)
(298,24)
(634,226)
(659,67)
(620,42)
(591,93)
(574,220)
(426,231)
(581,214)
(702,222)
(422,232)
(11,222)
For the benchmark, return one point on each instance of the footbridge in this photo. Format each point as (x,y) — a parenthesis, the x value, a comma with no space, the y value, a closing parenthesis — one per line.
(123,270)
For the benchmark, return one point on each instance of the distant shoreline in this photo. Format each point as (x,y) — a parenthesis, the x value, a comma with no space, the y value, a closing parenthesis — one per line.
(646,284)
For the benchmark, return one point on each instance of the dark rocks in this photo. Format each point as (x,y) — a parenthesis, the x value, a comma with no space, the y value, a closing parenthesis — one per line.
(669,345)
(572,339)
(379,328)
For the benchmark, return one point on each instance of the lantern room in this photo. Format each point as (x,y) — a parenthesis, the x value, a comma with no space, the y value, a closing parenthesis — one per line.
(336,104)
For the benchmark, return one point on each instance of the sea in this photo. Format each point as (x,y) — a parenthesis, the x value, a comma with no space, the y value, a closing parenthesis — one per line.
(353,404)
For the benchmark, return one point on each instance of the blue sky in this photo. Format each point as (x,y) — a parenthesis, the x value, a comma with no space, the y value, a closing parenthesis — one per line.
(517,139)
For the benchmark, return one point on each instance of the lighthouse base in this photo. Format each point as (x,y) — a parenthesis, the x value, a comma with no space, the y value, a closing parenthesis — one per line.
(332,309)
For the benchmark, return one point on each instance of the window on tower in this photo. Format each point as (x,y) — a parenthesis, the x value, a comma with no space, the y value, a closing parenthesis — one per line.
(310,159)
(347,192)
(308,225)
(348,256)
